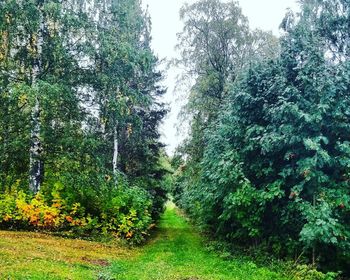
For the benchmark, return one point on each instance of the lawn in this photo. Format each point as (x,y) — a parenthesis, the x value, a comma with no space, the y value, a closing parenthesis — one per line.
(175,253)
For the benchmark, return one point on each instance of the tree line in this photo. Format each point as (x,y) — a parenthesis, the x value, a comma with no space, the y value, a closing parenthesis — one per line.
(80,106)
(266,163)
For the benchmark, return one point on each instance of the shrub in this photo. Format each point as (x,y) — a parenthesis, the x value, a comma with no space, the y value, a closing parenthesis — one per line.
(304,272)
(127,214)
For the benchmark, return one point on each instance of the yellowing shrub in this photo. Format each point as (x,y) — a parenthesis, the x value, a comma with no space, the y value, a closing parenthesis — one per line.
(126,216)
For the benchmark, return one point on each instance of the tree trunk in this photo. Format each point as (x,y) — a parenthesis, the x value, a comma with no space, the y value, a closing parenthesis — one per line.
(35,161)
(115,150)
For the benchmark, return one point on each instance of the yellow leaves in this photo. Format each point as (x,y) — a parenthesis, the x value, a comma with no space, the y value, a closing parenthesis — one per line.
(69,219)
(75,208)
(7,218)
(32,46)
(38,213)
(3,45)
(21,203)
(129,235)
(26,208)
(57,201)
(151,226)
(4,38)
(49,219)
(22,100)
(57,205)
(306,173)
(129,130)
(34,220)
(34,39)
(7,18)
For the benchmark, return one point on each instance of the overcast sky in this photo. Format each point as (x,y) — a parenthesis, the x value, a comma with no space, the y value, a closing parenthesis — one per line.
(263,14)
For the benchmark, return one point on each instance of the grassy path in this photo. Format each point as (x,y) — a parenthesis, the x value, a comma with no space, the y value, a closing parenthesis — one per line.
(176,253)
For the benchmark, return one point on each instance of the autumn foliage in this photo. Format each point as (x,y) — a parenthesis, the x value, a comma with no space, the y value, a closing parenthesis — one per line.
(19,210)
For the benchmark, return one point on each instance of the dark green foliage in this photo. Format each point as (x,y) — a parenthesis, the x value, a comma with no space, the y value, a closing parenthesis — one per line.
(274,167)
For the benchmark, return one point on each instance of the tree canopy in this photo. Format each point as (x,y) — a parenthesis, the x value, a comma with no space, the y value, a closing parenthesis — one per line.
(273,165)
(80,109)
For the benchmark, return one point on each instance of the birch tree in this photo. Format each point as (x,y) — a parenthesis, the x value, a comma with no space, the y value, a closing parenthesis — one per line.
(35,161)
(37,64)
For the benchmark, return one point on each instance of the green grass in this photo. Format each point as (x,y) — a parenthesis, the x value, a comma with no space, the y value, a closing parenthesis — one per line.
(176,253)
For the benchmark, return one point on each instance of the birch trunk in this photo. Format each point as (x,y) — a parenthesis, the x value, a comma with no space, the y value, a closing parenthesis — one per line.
(35,162)
(115,150)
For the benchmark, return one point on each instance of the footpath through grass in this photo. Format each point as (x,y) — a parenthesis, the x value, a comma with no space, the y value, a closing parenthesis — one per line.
(176,253)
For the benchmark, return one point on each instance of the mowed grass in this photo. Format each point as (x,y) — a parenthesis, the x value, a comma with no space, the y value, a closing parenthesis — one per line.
(41,256)
(176,253)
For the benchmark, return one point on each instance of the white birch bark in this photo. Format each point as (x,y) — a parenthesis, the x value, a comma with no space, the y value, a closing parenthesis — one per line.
(35,162)
(115,150)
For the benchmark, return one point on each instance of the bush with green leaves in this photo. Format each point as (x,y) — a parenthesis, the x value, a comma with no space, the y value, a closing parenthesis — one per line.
(125,212)
(86,198)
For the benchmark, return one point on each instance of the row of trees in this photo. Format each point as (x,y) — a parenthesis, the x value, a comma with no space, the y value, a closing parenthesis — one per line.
(267,159)
(79,100)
